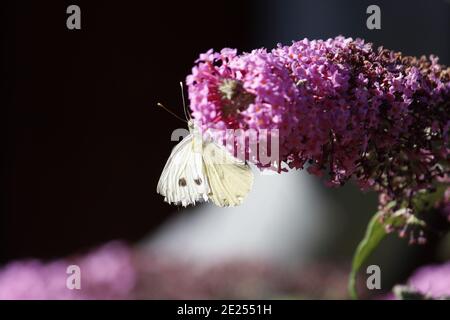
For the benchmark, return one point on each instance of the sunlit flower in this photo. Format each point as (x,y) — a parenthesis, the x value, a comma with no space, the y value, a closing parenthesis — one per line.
(342,108)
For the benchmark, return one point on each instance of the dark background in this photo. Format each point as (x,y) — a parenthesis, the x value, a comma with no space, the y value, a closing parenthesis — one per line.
(85,141)
(85,144)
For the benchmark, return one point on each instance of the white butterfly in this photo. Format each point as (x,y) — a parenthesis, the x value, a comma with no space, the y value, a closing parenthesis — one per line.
(200,170)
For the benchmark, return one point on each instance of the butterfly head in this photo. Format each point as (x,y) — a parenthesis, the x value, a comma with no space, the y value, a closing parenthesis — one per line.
(191,124)
(194,127)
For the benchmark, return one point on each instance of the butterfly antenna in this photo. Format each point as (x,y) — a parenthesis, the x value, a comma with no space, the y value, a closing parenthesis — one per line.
(186,114)
(171,112)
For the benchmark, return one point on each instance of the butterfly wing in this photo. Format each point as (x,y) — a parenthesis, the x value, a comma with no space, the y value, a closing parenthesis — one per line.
(182,180)
(229,179)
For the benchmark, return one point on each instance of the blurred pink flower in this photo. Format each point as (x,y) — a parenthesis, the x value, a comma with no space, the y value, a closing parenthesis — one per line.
(432,280)
(106,273)
(115,271)
(164,277)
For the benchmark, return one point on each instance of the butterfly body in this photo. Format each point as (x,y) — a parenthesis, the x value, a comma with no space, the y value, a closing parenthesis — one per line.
(199,170)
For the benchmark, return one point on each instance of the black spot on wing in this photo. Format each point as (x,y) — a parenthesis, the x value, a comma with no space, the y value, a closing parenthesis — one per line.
(182,182)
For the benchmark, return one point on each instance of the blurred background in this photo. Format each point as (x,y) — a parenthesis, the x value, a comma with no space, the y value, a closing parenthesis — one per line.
(85,146)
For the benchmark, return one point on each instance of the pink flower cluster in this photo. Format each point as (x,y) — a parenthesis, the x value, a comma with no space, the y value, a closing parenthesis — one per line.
(341,107)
